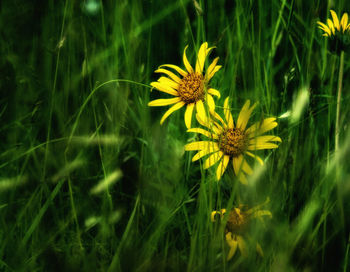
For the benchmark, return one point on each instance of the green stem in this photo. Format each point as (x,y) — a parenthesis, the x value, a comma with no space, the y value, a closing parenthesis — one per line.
(336,150)
(340,83)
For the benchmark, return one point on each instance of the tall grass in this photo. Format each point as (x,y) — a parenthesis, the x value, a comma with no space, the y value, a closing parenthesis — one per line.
(89,180)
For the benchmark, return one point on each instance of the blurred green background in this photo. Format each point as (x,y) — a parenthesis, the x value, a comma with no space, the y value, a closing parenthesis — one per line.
(89,180)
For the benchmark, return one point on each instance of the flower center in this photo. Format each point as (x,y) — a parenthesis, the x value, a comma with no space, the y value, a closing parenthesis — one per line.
(191,88)
(233,142)
(236,221)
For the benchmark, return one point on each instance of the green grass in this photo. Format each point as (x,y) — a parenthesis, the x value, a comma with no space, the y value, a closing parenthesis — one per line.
(89,180)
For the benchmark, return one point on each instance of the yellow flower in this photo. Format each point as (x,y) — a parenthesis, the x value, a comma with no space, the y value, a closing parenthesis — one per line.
(337,31)
(238,221)
(228,141)
(335,26)
(190,89)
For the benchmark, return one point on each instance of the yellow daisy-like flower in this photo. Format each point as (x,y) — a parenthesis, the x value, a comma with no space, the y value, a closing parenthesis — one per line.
(190,88)
(229,141)
(337,31)
(237,223)
(335,26)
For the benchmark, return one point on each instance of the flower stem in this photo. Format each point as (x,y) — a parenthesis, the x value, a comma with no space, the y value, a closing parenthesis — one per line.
(336,149)
(340,83)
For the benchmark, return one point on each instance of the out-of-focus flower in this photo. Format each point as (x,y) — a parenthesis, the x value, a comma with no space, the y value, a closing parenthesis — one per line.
(337,31)
(236,226)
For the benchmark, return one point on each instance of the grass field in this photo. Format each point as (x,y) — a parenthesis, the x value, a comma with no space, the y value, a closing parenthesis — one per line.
(90,180)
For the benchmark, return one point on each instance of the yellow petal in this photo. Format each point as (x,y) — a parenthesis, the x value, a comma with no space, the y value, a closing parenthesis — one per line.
(188,114)
(200,154)
(229,239)
(262,127)
(199,145)
(213,72)
(164,88)
(186,63)
(325,28)
(209,49)
(212,159)
(246,168)
(201,110)
(210,124)
(212,215)
(255,157)
(344,22)
(244,115)
(222,167)
(202,54)
(261,213)
(210,149)
(266,127)
(242,246)
(232,244)
(218,117)
(176,68)
(212,66)
(214,92)
(227,113)
(211,104)
(262,146)
(217,128)
(335,20)
(237,165)
(258,207)
(331,26)
(264,139)
(177,106)
(259,250)
(203,132)
(164,102)
(170,74)
(206,122)
(169,82)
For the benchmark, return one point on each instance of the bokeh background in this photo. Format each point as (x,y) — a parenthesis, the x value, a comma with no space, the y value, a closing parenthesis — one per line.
(89,180)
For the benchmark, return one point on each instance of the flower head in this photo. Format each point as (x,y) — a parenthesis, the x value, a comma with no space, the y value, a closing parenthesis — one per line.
(337,31)
(238,221)
(233,141)
(190,89)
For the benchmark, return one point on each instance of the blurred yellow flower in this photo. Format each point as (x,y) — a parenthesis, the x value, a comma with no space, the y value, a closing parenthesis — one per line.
(337,31)
(230,141)
(334,26)
(238,221)
(190,89)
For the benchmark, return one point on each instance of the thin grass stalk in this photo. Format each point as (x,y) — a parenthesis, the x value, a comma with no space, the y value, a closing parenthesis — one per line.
(340,83)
